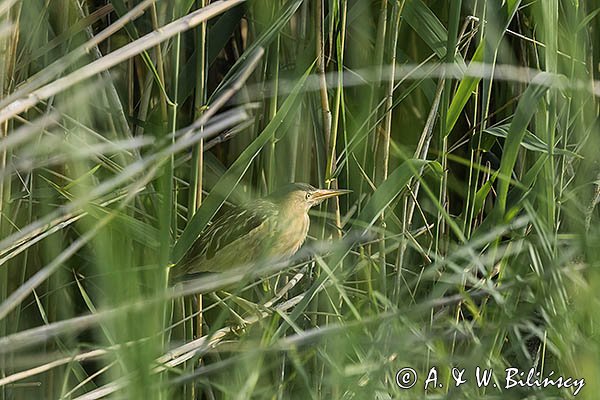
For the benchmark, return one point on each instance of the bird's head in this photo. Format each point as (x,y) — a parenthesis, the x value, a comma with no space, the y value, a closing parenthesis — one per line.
(302,196)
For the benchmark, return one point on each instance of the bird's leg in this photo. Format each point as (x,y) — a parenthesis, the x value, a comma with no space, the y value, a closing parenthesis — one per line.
(249,307)
(283,291)
(238,319)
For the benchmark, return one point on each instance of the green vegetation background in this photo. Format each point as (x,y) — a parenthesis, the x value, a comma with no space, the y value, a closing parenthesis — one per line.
(467,131)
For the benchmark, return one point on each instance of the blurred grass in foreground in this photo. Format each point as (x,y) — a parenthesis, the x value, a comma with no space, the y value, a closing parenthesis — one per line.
(466,129)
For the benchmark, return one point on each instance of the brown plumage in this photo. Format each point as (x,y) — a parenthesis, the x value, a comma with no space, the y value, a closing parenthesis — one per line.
(272,227)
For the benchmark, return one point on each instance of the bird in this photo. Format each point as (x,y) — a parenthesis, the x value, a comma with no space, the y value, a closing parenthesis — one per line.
(273,227)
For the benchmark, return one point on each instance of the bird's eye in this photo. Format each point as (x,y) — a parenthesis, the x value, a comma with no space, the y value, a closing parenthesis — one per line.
(308,195)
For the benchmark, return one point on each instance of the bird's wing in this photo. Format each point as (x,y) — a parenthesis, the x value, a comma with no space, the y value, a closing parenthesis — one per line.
(234,224)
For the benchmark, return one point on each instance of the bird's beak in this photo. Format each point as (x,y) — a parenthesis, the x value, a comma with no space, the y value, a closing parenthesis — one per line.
(322,194)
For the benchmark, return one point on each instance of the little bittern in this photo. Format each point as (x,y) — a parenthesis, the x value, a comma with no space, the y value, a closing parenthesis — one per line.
(271,227)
